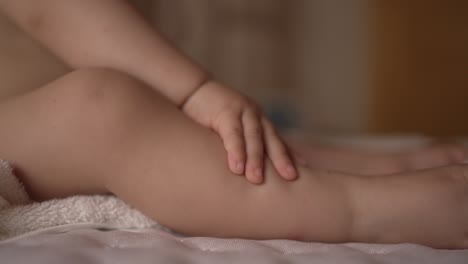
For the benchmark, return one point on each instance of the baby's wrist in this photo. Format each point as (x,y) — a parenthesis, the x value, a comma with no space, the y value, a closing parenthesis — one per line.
(188,97)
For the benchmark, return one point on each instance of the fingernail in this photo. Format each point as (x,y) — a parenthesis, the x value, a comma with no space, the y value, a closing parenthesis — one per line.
(258,172)
(256,176)
(239,167)
(291,172)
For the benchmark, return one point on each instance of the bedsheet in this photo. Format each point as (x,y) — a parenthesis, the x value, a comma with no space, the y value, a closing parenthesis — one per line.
(93,246)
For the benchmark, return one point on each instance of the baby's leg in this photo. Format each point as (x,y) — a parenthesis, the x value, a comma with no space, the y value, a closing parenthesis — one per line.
(373,162)
(95,131)
(98,131)
(429,207)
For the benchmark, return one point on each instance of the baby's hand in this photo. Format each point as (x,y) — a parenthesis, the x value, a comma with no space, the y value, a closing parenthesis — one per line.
(246,133)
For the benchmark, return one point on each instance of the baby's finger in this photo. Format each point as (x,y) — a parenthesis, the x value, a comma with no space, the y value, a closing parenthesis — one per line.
(231,131)
(253,135)
(278,152)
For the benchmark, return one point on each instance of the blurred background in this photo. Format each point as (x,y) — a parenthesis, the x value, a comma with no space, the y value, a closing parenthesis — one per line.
(328,66)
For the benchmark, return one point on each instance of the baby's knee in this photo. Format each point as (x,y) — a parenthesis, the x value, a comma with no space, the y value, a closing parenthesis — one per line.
(102,90)
(99,86)
(95,100)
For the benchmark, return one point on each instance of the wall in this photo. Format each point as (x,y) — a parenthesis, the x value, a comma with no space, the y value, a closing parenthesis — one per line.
(303,60)
(332,64)
(306,59)
(421,67)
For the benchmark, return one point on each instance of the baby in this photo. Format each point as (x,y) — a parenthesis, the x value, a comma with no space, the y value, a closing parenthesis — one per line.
(138,119)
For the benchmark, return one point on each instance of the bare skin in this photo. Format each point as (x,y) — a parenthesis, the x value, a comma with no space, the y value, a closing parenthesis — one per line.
(99,131)
(111,34)
(133,47)
(105,132)
(371,162)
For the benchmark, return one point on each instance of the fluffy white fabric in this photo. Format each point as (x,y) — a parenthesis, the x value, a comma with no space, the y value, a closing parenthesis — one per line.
(19,215)
(11,191)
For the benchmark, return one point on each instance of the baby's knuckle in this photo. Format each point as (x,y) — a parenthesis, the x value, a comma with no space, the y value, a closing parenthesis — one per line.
(234,106)
(255,162)
(235,131)
(279,154)
(234,141)
(235,147)
(254,131)
(257,152)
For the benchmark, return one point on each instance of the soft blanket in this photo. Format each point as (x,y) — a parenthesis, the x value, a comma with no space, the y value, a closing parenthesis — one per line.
(19,215)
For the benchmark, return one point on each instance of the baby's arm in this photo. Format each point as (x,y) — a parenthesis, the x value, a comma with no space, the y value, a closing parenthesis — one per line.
(110,34)
(374,161)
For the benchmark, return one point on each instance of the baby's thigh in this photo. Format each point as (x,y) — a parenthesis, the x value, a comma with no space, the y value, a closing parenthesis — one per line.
(77,126)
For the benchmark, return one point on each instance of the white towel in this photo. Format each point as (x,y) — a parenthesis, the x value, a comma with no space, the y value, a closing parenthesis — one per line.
(20,215)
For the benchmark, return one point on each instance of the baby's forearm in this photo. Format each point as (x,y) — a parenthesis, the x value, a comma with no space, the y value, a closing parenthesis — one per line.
(89,33)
